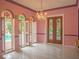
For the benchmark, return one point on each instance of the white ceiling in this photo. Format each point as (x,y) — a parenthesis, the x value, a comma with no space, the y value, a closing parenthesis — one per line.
(47,4)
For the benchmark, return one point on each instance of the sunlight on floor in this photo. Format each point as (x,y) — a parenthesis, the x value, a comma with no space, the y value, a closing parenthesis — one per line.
(45,51)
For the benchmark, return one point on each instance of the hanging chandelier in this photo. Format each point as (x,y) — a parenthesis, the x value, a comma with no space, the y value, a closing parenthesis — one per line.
(41,14)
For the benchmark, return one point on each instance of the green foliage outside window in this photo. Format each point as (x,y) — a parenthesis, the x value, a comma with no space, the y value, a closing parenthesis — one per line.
(21,23)
(8,25)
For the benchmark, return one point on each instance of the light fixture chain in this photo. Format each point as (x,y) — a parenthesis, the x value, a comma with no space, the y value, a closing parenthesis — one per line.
(41,5)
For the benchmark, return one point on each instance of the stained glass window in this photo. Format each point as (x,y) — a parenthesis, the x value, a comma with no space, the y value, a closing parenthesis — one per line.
(58,31)
(50,28)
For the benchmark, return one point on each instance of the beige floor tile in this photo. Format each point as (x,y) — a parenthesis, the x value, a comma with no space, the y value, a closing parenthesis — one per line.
(45,51)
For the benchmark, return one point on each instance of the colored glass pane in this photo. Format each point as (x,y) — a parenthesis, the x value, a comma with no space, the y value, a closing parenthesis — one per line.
(50,28)
(21,17)
(58,31)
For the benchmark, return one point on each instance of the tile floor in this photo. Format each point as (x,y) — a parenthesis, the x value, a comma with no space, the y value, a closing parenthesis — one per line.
(45,51)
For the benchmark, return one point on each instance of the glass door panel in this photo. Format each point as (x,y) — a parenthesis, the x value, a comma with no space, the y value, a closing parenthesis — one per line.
(34,31)
(22,30)
(58,31)
(22,35)
(27,33)
(7,34)
(50,29)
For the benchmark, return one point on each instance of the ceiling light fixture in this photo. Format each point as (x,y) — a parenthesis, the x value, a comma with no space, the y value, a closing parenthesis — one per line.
(41,15)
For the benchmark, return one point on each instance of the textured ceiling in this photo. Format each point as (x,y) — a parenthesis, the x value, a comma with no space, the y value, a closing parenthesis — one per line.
(47,4)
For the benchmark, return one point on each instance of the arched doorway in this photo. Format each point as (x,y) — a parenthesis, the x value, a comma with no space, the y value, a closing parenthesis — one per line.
(7,30)
(32,31)
(27,30)
(22,30)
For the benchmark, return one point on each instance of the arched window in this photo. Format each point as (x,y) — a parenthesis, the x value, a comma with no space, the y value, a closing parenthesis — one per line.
(7,30)
(7,14)
(22,30)
(21,17)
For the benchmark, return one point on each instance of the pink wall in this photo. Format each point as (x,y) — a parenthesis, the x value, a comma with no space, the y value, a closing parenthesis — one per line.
(15,8)
(70,24)
(41,31)
(70,20)
(16,11)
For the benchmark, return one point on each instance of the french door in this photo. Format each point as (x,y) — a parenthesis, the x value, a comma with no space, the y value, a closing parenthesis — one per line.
(55,29)
(22,33)
(7,34)
(33,32)
(27,33)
